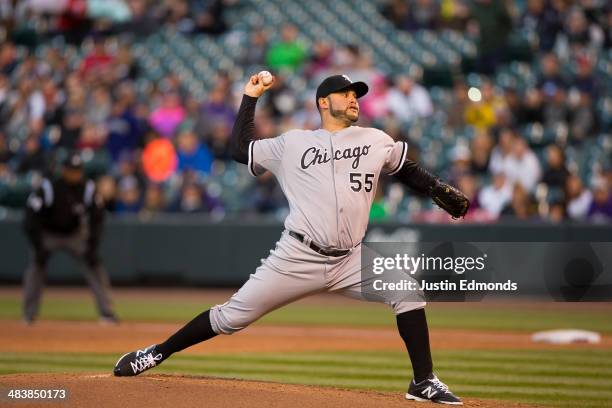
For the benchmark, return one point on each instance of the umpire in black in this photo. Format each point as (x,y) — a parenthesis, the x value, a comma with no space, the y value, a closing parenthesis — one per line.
(68,215)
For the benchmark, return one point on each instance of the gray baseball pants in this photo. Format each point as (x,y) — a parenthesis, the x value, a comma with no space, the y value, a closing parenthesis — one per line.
(35,275)
(293,271)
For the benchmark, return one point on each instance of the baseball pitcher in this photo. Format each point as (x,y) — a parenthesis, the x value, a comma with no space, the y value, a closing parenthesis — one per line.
(329,177)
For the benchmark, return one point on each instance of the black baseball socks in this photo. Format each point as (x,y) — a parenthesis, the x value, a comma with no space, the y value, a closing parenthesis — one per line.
(196,331)
(413,329)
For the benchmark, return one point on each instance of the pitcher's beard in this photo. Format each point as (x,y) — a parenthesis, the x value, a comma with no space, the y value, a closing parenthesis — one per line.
(344,116)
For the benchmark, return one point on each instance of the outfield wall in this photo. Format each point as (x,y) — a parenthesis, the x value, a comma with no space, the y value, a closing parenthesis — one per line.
(198,252)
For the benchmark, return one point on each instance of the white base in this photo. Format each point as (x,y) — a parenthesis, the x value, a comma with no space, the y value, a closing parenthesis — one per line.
(566,337)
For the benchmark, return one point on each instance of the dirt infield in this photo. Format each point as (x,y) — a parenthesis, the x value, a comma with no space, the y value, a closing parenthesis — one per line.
(57,336)
(90,389)
(102,389)
(153,391)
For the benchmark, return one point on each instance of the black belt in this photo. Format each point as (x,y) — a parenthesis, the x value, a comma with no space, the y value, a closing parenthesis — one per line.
(318,249)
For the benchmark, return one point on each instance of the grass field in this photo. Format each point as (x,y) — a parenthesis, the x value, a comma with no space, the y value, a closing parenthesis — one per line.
(576,377)
(441,315)
(571,378)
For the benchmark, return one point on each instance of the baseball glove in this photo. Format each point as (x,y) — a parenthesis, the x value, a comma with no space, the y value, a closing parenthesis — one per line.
(450,199)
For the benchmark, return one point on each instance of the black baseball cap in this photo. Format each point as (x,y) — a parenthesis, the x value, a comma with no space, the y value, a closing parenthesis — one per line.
(73,161)
(337,83)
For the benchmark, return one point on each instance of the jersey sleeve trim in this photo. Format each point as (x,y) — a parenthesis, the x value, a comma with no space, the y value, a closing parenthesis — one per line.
(402,159)
(250,163)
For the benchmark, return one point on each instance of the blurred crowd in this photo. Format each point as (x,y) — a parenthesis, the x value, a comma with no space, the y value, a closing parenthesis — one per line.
(32,21)
(161,146)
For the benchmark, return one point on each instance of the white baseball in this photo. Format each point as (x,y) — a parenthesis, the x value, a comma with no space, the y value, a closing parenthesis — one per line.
(265,77)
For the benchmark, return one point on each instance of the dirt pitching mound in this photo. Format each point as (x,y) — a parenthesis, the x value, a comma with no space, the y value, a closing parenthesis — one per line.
(153,391)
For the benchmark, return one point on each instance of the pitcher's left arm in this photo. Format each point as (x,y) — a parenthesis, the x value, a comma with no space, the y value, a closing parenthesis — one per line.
(444,195)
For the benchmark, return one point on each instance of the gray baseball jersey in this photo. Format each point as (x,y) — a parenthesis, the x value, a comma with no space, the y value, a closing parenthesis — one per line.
(330,182)
(328,178)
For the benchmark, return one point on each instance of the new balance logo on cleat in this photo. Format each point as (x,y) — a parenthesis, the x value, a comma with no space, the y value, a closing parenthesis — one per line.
(432,389)
(138,361)
(430,392)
